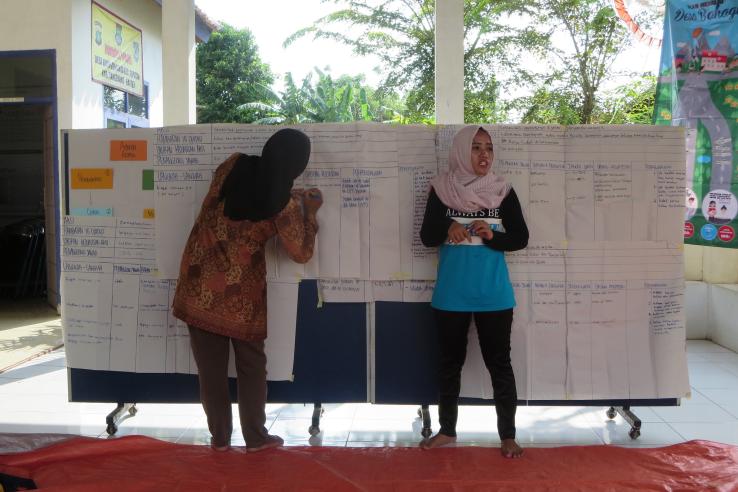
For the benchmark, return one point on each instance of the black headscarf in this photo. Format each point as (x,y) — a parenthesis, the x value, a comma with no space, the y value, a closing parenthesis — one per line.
(258,188)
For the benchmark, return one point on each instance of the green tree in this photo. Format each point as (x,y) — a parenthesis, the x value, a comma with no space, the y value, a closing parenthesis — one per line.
(344,99)
(560,51)
(629,103)
(229,74)
(578,41)
(284,108)
(401,33)
(549,107)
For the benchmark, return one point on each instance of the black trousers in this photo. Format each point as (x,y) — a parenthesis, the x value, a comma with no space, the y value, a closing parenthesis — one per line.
(493,328)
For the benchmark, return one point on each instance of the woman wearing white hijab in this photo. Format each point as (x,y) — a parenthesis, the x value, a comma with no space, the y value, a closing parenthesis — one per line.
(474,216)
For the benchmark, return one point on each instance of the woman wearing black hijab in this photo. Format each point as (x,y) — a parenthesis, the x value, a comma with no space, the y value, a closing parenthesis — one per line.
(221,291)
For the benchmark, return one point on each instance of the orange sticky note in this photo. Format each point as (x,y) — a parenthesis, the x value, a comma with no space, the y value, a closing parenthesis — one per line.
(149,213)
(90,178)
(128,150)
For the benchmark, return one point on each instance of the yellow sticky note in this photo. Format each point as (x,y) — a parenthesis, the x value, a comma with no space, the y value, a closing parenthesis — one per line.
(401,276)
(90,178)
(149,213)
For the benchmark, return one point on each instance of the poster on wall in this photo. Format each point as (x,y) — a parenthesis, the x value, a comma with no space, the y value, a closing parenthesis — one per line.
(117,52)
(698,89)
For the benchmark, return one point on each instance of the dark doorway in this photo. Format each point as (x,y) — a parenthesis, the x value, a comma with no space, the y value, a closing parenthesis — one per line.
(28,176)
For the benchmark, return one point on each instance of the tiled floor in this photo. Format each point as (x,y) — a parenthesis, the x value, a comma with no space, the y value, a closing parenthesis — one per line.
(33,399)
(28,327)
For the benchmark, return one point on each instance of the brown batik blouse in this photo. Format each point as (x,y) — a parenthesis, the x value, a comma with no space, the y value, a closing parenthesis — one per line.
(222,276)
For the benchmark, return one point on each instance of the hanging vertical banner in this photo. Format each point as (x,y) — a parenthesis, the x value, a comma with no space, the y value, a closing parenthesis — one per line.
(698,89)
(117,52)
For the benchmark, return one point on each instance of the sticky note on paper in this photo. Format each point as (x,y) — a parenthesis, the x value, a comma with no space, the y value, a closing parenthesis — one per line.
(128,150)
(401,276)
(93,211)
(92,178)
(147,179)
(149,213)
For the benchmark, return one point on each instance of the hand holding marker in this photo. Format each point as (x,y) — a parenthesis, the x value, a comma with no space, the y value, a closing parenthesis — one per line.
(312,200)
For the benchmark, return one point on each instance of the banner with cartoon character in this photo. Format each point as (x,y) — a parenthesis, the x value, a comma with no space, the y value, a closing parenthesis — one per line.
(117,52)
(698,89)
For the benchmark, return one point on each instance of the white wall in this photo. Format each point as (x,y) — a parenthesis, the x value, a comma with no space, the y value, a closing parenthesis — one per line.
(723,313)
(65,26)
(43,25)
(711,303)
(713,265)
(88,95)
(712,313)
(695,309)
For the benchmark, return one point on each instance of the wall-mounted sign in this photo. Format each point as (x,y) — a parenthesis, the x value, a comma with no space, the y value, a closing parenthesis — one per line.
(117,52)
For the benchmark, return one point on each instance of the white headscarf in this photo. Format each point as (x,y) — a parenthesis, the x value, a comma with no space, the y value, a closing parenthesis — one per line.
(460,188)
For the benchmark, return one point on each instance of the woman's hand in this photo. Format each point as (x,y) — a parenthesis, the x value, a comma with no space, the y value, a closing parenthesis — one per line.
(482,229)
(458,233)
(312,200)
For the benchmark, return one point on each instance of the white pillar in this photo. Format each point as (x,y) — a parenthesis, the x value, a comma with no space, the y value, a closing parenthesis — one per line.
(449,61)
(178,61)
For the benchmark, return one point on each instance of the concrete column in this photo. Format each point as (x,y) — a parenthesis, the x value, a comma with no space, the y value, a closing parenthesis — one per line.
(178,61)
(449,61)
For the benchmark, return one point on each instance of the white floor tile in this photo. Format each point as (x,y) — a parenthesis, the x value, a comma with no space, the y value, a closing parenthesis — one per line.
(339,410)
(53,382)
(367,412)
(386,430)
(51,423)
(32,371)
(318,442)
(727,399)
(298,429)
(163,409)
(724,433)
(637,444)
(158,426)
(557,433)
(652,433)
(710,413)
(645,414)
(721,357)
(383,444)
(711,375)
(296,411)
(699,357)
(705,346)
(730,366)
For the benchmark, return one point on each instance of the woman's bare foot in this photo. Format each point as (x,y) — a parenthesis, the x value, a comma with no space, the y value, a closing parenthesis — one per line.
(269,442)
(510,449)
(437,441)
(215,447)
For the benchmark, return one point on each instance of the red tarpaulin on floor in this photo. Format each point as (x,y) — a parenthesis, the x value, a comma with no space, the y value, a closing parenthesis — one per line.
(138,463)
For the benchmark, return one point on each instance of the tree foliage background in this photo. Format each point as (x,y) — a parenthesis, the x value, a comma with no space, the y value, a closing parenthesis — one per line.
(529,61)
(327,100)
(558,51)
(229,73)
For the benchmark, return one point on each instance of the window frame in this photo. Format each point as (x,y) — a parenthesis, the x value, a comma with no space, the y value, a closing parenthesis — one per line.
(123,117)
